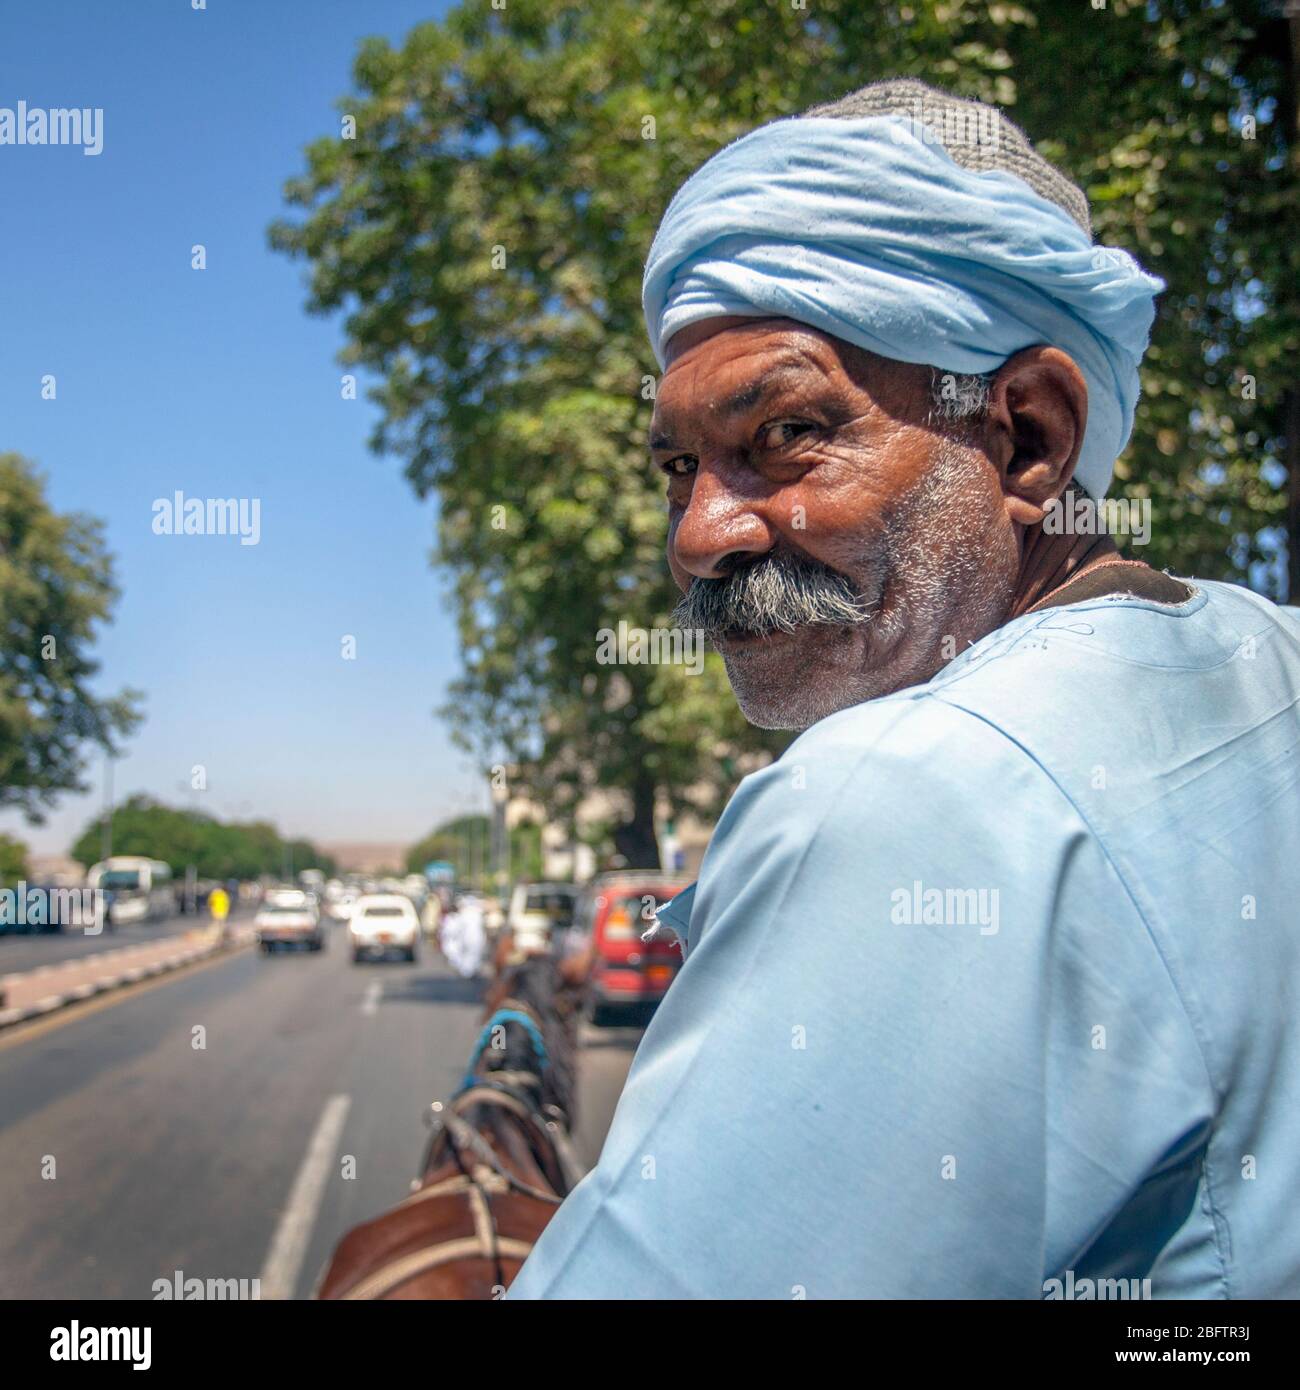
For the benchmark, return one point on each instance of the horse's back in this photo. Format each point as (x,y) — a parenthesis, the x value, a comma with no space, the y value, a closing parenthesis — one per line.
(436,1248)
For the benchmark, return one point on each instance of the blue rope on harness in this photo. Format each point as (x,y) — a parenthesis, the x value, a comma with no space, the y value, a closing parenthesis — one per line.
(485,1037)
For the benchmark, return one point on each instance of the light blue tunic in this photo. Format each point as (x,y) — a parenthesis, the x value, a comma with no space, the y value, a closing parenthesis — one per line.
(991,982)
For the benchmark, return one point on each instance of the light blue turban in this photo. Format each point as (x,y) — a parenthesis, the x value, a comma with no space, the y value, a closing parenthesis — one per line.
(868,230)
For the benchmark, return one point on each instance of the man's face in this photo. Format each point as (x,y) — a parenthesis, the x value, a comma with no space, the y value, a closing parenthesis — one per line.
(826,536)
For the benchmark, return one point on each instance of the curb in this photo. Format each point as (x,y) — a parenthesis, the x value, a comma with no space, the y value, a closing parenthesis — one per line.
(107,983)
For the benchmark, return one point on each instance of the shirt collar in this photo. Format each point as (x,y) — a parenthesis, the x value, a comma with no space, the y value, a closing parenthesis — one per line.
(675,915)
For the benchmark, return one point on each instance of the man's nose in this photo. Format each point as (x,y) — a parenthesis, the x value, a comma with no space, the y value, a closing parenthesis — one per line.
(717,526)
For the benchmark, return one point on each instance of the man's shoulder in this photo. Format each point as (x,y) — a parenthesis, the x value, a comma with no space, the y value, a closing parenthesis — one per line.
(1054,691)
(902,730)
(900,795)
(859,763)
(1127,677)
(1121,640)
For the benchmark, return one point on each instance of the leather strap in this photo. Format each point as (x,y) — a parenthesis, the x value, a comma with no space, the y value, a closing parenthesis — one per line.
(1116,577)
(388,1277)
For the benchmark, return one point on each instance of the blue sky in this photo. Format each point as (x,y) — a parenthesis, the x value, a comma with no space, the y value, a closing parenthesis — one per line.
(218,384)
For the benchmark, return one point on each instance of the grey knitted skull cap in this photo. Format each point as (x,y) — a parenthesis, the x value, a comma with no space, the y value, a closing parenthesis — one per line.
(951,120)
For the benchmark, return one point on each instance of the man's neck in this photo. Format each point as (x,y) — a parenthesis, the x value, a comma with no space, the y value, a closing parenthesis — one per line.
(1047,562)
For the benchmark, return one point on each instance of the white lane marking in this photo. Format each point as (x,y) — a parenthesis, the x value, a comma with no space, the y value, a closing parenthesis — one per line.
(288,1249)
(374,993)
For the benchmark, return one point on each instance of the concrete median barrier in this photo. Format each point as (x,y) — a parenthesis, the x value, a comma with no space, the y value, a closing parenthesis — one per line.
(36,993)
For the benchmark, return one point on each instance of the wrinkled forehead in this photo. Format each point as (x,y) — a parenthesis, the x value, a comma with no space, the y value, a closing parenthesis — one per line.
(722,367)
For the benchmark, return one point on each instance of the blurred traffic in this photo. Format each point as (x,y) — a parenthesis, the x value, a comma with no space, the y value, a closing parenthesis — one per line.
(223,1022)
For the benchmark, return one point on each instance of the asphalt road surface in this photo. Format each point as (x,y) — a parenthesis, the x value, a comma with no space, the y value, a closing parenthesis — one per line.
(231,1122)
(21,951)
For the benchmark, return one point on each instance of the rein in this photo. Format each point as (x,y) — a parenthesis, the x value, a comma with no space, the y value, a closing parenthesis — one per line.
(481,1173)
(507,1014)
(460,1133)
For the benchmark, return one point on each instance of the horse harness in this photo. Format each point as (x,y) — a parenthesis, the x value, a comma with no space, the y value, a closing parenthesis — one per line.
(482,1174)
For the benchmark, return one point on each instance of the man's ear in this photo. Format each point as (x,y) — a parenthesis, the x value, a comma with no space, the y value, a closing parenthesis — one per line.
(1038,408)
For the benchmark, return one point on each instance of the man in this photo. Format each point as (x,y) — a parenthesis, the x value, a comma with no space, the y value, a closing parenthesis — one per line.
(463,939)
(219,909)
(219,905)
(991,980)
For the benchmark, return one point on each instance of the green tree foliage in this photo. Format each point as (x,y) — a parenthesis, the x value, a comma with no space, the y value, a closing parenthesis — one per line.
(466,843)
(1180,127)
(217,849)
(484,229)
(56,584)
(13,859)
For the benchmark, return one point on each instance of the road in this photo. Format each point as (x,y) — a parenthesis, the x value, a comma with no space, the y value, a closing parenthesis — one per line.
(231,1122)
(32,950)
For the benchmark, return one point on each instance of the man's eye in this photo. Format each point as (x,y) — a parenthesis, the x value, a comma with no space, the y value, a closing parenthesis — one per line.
(776,434)
(681,467)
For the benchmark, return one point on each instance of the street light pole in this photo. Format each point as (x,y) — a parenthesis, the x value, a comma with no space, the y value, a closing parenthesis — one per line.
(106,833)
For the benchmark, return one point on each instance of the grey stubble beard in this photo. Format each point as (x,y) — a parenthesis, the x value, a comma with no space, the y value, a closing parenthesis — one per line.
(929,555)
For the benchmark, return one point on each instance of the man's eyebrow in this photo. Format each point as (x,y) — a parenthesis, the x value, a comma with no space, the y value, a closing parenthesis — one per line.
(775,379)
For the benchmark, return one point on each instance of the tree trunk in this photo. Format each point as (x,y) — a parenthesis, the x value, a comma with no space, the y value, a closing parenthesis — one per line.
(635,839)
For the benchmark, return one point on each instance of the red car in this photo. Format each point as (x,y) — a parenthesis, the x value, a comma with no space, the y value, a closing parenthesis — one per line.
(617,909)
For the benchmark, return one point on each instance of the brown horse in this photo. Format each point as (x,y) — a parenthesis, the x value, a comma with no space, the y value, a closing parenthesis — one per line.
(498,1164)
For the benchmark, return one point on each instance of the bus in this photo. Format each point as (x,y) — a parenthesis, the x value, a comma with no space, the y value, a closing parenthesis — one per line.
(139,890)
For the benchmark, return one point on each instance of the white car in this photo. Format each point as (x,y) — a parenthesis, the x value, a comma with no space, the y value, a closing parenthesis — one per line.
(383,922)
(537,911)
(340,907)
(288,917)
